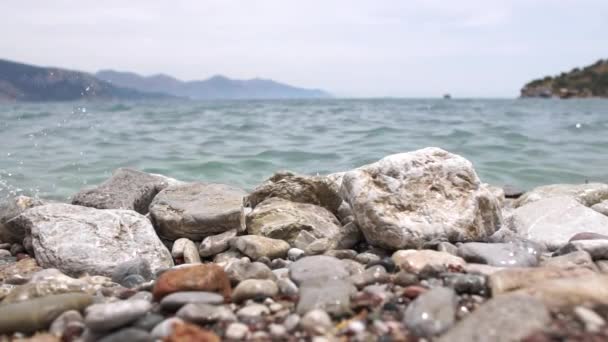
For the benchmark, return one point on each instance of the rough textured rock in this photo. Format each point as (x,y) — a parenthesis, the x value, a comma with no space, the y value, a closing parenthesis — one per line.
(517,278)
(215,244)
(601,207)
(552,221)
(297,223)
(205,277)
(407,199)
(109,316)
(415,260)
(317,267)
(255,246)
(80,240)
(501,319)
(124,272)
(126,189)
(21,270)
(196,210)
(241,270)
(586,194)
(432,313)
(500,254)
(317,190)
(36,314)
(11,208)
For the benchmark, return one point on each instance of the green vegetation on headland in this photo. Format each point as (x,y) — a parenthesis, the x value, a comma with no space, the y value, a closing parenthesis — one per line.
(590,81)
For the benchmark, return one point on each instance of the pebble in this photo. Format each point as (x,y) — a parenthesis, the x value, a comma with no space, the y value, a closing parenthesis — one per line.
(294,254)
(215,244)
(511,279)
(291,322)
(256,246)
(253,311)
(466,283)
(254,288)
(108,316)
(447,247)
(416,260)
(277,331)
(190,332)
(601,207)
(575,259)
(237,331)
(132,273)
(316,322)
(432,313)
(176,300)
(331,295)
(317,267)
(597,248)
(518,254)
(341,253)
(287,287)
(191,255)
(206,313)
(165,328)
(367,257)
(148,321)
(204,277)
(71,317)
(405,278)
(128,334)
(593,322)
(279,263)
(4,253)
(372,275)
(242,270)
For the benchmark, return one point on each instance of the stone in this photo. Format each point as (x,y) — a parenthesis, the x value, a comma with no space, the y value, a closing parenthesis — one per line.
(597,249)
(507,318)
(205,313)
(11,208)
(196,210)
(317,267)
(190,252)
(416,260)
(405,279)
(586,194)
(447,247)
(254,288)
(277,331)
(483,269)
(512,191)
(128,334)
(319,246)
(109,316)
(241,270)
(225,258)
(330,295)
(216,244)
(517,278)
(37,314)
(593,322)
(291,322)
(294,254)
(408,199)
(316,190)
(299,224)
(253,311)
(552,221)
(80,240)
(148,321)
(127,189)
(367,258)
(577,259)
(204,277)
(288,288)
(176,300)
(124,272)
(237,331)
(256,247)
(372,275)
(466,283)
(498,192)
(186,332)
(432,313)
(316,322)
(4,253)
(501,254)
(165,328)
(60,324)
(559,293)
(22,270)
(601,207)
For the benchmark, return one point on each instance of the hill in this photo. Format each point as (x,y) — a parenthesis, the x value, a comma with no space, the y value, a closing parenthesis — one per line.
(216,87)
(590,81)
(24,82)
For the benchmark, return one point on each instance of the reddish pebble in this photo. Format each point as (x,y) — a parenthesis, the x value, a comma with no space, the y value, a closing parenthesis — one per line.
(414,291)
(207,277)
(185,332)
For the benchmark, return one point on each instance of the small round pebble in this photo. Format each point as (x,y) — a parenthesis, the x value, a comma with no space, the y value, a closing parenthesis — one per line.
(237,331)
(316,322)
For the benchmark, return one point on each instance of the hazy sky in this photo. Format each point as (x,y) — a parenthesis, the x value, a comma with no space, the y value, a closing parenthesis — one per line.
(407,48)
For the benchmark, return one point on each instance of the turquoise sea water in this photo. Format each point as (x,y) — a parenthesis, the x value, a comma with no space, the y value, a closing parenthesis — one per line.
(54,149)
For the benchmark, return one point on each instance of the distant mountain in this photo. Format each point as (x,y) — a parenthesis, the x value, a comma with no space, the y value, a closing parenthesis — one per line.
(216,87)
(591,81)
(23,82)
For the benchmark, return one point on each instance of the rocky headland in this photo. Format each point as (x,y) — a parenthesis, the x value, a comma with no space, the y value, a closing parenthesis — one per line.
(590,81)
(413,247)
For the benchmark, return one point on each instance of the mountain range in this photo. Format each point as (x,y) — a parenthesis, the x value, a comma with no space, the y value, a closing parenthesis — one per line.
(24,82)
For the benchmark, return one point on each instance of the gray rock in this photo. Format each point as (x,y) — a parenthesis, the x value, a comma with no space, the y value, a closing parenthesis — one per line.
(367,258)
(277,331)
(176,300)
(145,295)
(405,200)
(165,328)
(226,257)
(552,221)
(316,322)
(284,220)
(447,248)
(187,250)
(291,322)
(405,278)
(196,210)
(432,313)
(80,240)
(512,191)
(342,253)
(288,288)
(253,311)
(126,189)
(507,318)
(586,194)
(215,244)
(132,273)
(601,207)
(148,321)
(37,314)
(128,334)
(372,275)
(294,254)
(597,249)
(330,295)
(574,259)
(501,254)
(257,247)
(109,316)
(237,331)
(4,253)
(466,283)
(317,267)
(61,323)
(11,208)
(206,313)
(254,288)
(242,270)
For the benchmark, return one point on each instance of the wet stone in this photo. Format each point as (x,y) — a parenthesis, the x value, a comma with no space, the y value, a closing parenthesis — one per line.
(466,283)
(176,300)
(501,254)
(432,313)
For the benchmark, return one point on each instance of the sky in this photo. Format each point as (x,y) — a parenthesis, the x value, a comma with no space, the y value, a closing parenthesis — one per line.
(351,48)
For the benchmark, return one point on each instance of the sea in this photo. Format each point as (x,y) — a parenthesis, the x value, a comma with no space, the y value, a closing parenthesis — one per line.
(51,150)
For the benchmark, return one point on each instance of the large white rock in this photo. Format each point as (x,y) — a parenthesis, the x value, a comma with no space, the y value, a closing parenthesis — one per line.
(554,220)
(407,199)
(587,194)
(77,240)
